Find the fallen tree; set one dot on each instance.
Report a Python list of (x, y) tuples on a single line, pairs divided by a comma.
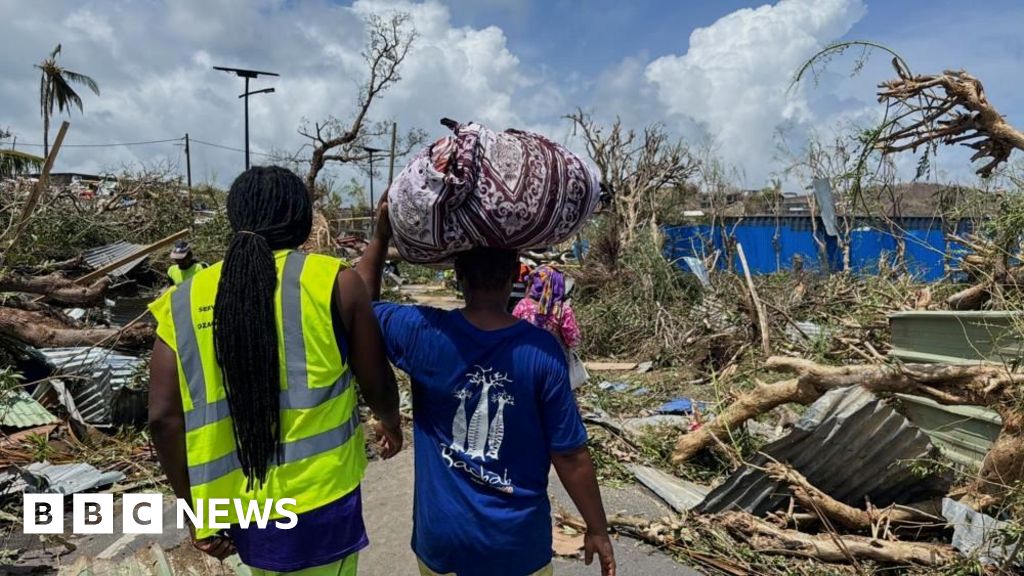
[(56, 287), (989, 385), (832, 547), (41, 330), (872, 519), (947, 108)]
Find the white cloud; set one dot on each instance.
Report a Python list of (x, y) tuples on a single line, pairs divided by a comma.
[(734, 77), (153, 63)]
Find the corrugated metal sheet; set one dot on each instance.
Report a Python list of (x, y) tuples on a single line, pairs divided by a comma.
[(43, 477), (100, 257), (93, 376), (965, 433), (850, 445), (772, 243), (956, 337), (19, 410), (129, 308)]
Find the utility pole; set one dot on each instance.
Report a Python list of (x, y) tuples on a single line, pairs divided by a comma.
[(188, 176), (373, 206), (247, 75), (394, 141), (188, 166)]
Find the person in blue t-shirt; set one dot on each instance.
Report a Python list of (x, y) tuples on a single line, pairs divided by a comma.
[(492, 411)]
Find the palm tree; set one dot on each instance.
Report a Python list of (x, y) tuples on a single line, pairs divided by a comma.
[(55, 90)]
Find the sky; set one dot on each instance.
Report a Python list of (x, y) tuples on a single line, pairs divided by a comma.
[(714, 72)]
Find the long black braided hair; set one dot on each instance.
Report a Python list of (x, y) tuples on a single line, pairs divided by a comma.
[(269, 209)]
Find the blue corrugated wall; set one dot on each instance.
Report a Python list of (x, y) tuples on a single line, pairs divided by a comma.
[(772, 244)]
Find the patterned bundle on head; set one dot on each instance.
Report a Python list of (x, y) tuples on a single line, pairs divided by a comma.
[(547, 288), (512, 190), (269, 209)]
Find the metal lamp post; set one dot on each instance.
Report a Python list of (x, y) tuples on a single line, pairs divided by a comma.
[(373, 207), (247, 74)]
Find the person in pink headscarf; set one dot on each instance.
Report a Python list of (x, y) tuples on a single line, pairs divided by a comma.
[(547, 307)]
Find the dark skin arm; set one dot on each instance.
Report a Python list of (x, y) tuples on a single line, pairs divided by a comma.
[(167, 426), (576, 471), (368, 360), (371, 264)]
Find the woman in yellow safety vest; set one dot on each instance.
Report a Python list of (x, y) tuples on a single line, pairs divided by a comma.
[(253, 390)]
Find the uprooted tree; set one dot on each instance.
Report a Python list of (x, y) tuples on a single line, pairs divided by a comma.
[(638, 168), (335, 140), (988, 385)]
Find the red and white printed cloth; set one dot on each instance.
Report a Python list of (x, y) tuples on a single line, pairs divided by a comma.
[(478, 187)]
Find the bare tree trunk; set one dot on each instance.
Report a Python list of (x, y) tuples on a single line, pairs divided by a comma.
[(763, 398), (832, 547), (56, 287), (811, 498), (989, 385), (46, 133), (42, 331)]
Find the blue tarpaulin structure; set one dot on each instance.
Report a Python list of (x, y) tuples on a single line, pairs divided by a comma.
[(773, 244)]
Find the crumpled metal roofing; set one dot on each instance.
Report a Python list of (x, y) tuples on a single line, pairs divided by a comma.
[(849, 444), (103, 255), (93, 377), (43, 477), (129, 308), (19, 410)]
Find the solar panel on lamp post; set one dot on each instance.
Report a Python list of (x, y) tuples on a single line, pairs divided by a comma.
[(247, 75)]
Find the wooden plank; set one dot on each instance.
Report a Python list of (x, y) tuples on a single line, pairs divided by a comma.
[(762, 320), (610, 366), (144, 251), (40, 185)]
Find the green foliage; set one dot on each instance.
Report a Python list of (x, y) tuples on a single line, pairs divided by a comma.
[(143, 207), (638, 309)]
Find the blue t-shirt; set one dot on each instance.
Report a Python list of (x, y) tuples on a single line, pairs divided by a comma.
[(488, 409)]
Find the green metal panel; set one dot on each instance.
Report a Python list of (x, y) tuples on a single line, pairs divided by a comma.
[(965, 433), (19, 410), (957, 336)]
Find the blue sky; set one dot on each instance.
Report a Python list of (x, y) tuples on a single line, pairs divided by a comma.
[(707, 70)]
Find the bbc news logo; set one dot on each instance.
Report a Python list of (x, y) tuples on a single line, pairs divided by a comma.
[(144, 513)]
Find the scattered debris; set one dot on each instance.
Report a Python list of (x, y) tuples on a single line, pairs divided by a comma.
[(92, 378), (976, 533), (684, 406), (848, 429), (566, 541), (610, 366), (613, 386), (680, 495), (19, 410), (637, 426), (43, 477)]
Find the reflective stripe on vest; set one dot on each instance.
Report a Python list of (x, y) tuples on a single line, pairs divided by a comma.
[(297, 395)]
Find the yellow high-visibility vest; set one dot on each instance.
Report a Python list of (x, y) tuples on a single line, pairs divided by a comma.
[(322, 452), (178, 274)]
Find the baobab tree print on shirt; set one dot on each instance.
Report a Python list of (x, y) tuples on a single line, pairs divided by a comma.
[(477, 433)]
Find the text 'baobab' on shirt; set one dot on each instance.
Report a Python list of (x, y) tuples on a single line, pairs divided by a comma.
[(488, 409)]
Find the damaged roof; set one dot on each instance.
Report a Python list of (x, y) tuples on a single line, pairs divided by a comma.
[(19, 410), (97, 258), (94, 376), (849, 444)]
